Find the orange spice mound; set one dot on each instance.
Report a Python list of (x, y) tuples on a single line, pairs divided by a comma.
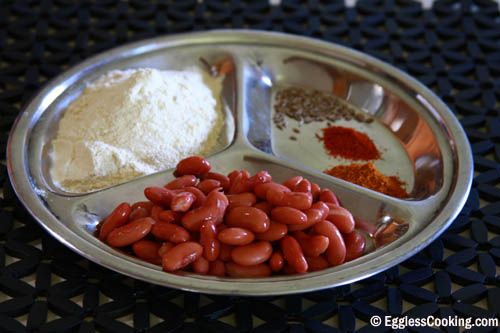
[(368, 176)]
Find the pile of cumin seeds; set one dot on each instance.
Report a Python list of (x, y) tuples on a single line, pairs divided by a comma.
[(308, 105)]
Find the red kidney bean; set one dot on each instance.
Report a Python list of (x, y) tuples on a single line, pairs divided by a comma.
[(193, 219), (252, 254), (242, 199), (208, 239), (147, 250), (171, 232), (304, 186), (181, 182), (297, 200), (217, 268), (236, 236), (201, 265), (327, 196), (261, 177), (355, 245), (250, 218), (181, 202), (119, 216), (208, 185), (194, 165), (143, 204), (261, 189), (316, 263), (336, 251), (264, 206), (225, 252), (341, 217), (239, 183), (313, 245), (315, 191), (138, 213), (365, 226), (288, 215), (181, 256), (240, 271), (159, 195), (275, 232), (224, 180), (292, 182), (293, 254), (317, 212), (155, 212), (277, 261), (200, 196), (130, 233), (219, 200), (165, 247), (169, 216)]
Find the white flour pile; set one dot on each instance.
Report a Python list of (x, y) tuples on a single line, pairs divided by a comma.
[(135, 122)]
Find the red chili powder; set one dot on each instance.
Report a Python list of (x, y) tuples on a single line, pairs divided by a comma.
[(349, 143)]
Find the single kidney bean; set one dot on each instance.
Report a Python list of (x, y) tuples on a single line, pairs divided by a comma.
[(341, 217), (201, 265), (143, 204), (336, 251), (304, 186), (264, 206), (208, 239), (355, 245), (260, 190), (171, 232), (315, 191), (147, 250), (239, 183), (130, 233), (292, 182), (275, 232), (193, 219), (217, 268), (240, 271), (199, 195), (208, 185), (261, 177), (297, 200), (252, 254), (155, 212), (365, 226), (288, 215), (224, 180), (276, 262), (138, 213), (250, 218), (181, 182), (236, 236), (169, 216), (313, 245), (194, 165), (316, 263), (317, 212), (181, 256), (242, 199), (181, 202), (219, 200), (159, 195), (165, 247), (119, 216), (293, 254), (225, 252), (327, 196)]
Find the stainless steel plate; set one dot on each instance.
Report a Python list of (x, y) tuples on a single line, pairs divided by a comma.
[(421, 140)]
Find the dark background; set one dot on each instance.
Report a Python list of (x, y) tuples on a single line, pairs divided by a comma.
[(453, 48)]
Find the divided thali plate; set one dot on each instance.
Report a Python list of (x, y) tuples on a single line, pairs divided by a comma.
[(423, 143)]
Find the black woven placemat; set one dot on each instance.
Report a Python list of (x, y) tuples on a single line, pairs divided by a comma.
[(453, 48)]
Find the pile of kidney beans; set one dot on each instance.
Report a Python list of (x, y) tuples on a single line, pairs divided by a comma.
[(237, 225)]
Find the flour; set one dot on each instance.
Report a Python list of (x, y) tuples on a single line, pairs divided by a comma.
[(132, 123)]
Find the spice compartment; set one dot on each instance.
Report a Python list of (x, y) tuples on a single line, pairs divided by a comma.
[(405, 108)]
